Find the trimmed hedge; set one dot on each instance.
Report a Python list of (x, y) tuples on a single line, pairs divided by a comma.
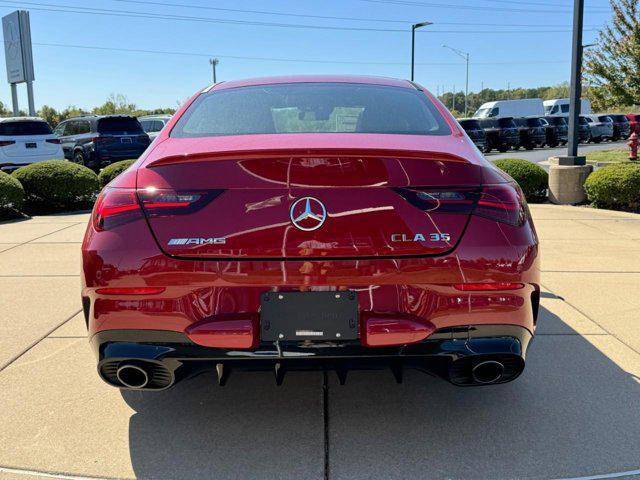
[(11, 196), (615, 186), (112, 171), (533, 179), (57, 185)]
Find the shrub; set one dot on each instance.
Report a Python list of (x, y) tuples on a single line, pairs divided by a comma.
[(57, 185), (112, 171), (615, 186), (533, 179), (11, 196)]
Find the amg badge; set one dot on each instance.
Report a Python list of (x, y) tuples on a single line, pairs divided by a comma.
[(197, 241)]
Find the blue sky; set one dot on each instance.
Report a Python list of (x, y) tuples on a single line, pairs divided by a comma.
[(502, 36)]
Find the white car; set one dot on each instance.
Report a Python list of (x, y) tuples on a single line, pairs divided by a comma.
[(26, 140), (152, 124), (524, 107)]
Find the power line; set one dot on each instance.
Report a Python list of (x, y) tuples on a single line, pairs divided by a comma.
[(470, 7), (326, 17), (131, 14), (276, 59)]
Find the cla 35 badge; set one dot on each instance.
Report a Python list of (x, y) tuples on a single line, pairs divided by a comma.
[(420, 237), (307, 214)]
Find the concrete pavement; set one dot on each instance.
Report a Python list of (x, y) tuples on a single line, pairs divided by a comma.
[(575, 412)]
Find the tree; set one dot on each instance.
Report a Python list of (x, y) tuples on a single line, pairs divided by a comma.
[(612, 67)]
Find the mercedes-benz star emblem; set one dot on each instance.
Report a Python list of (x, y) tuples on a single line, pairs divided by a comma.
[(308, 214)]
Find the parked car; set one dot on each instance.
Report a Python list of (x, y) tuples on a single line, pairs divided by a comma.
[(560, 106), (532, 132), (621, 126), (475, 131), (584, 130), (561, 126), (511, 108), (634, 122), (96, 141), (26, 140), (152, 124), (502, 133), (601, 127), (256, 240)]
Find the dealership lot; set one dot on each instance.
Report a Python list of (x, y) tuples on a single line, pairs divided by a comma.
[(575, 411)]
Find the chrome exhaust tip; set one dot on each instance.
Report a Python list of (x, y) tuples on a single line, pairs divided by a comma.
[(132, 376), (489, 371)]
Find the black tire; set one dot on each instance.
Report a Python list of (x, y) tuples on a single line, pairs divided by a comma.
[(503, 148), (486, 149), (589, 138), (596, 140), (78, 157), (529, 146)]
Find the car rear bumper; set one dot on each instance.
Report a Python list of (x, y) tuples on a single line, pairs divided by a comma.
[(452, 354)]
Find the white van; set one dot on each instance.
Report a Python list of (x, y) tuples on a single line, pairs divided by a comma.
[(511, 108), (560, 106)]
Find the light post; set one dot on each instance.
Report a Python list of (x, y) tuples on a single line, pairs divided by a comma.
[(464, 55), (213, 62), (414, 27), (575, 86)]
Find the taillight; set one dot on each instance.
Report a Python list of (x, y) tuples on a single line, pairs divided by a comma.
[(53, 140), (116, 206), (5, 143), (503, 203), (100, 139)]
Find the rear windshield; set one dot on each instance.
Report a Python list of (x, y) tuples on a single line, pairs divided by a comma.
[(506, 122), (605, 118), (470, 124), (119, 125), (24, 128), (311, 108)]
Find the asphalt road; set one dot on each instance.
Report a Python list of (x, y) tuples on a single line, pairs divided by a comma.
[(542, 154)]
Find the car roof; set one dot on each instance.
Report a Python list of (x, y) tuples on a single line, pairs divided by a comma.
[(22, 119), (154, 117), (99, 117), (364, 79)]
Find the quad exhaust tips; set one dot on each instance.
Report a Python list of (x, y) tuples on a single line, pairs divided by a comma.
[(132, 376), (489, 371)]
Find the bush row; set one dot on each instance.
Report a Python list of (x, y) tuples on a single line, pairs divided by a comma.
[(53, 186)]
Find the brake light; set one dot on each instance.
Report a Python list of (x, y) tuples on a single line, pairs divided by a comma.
[(5, 143), (53, 140), (503, 203), (130, 290), (487, 286), (116, 206)]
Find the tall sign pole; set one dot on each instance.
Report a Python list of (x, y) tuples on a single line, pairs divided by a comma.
[(16, 30), (575, 86)]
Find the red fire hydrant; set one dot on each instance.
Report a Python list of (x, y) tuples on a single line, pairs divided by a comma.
[(633, 147)]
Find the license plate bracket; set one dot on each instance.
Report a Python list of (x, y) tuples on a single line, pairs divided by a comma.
[(319, 316)]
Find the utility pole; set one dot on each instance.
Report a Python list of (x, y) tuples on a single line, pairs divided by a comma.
[(575, 88), (464, 55), (213, 62), (414, 27), (453, 98)]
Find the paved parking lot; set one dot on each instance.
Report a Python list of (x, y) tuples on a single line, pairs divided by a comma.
[(575, 412), (542, 154)]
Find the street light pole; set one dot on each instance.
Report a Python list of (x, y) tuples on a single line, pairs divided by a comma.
[(464, 55), (414, 27), (213, 62), (576, 85)]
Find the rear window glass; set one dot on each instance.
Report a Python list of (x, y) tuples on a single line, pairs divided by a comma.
[(119, 125), (311, 108), (533, 122), (506, 122), (24, 128)]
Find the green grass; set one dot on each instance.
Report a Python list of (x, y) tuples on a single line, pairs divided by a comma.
[(609, 156)]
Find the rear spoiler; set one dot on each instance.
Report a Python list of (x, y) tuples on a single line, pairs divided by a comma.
[(302, 152)]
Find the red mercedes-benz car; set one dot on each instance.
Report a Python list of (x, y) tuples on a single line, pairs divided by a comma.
[(320, 222)]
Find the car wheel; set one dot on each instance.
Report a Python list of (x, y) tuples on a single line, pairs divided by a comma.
[(529, 146), (597, 140), (589, 138), (486, 149), (78, 157), (503, 148)]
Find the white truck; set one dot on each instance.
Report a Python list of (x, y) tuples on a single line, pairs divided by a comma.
[(560, 106), (524, 107)]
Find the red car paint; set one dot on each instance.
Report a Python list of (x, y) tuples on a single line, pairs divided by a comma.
[(481, 272)]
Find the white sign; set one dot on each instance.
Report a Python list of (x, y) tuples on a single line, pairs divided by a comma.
[(17, 47)]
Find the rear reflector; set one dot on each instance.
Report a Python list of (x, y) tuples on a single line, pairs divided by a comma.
[(378, 330), (237, 331), (130, 290), (489, 286)]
